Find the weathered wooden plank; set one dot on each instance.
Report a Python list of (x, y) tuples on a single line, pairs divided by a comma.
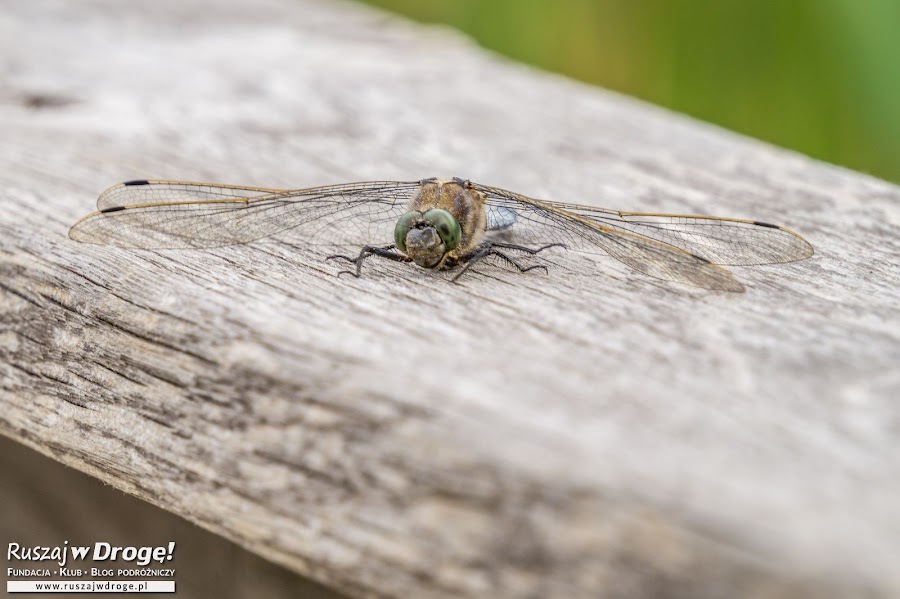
[(205, 564), (582, 433)]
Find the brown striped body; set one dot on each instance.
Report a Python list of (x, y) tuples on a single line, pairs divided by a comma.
[(465, 204)]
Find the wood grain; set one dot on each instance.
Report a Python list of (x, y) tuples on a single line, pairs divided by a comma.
[(205, 564), (589, 432)]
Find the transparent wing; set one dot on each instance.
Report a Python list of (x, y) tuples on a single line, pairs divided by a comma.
[(143, 191), (680, 248), (729, 241), (174, 214)]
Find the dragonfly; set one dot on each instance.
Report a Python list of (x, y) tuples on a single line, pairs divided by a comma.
[(434, 224)]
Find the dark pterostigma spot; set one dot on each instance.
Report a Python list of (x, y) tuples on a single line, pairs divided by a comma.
[(137, 182), (762, 224), (38, 101), (113, 209)]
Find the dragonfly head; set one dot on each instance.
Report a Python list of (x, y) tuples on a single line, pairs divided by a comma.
[(426, 238)]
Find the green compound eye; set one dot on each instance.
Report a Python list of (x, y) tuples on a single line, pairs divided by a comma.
[(403, 226), (446, 226)]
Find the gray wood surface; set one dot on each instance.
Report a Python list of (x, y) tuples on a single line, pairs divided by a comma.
[(589, 432), (34, 512)]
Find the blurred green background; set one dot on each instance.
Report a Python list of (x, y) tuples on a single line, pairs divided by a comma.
[(818, 76)]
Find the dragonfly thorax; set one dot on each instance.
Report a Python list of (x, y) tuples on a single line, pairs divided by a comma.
[(454, 210)]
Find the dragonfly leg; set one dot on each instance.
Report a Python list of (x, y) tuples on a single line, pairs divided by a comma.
[(490, 249), (369, 250), (513, 262)]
